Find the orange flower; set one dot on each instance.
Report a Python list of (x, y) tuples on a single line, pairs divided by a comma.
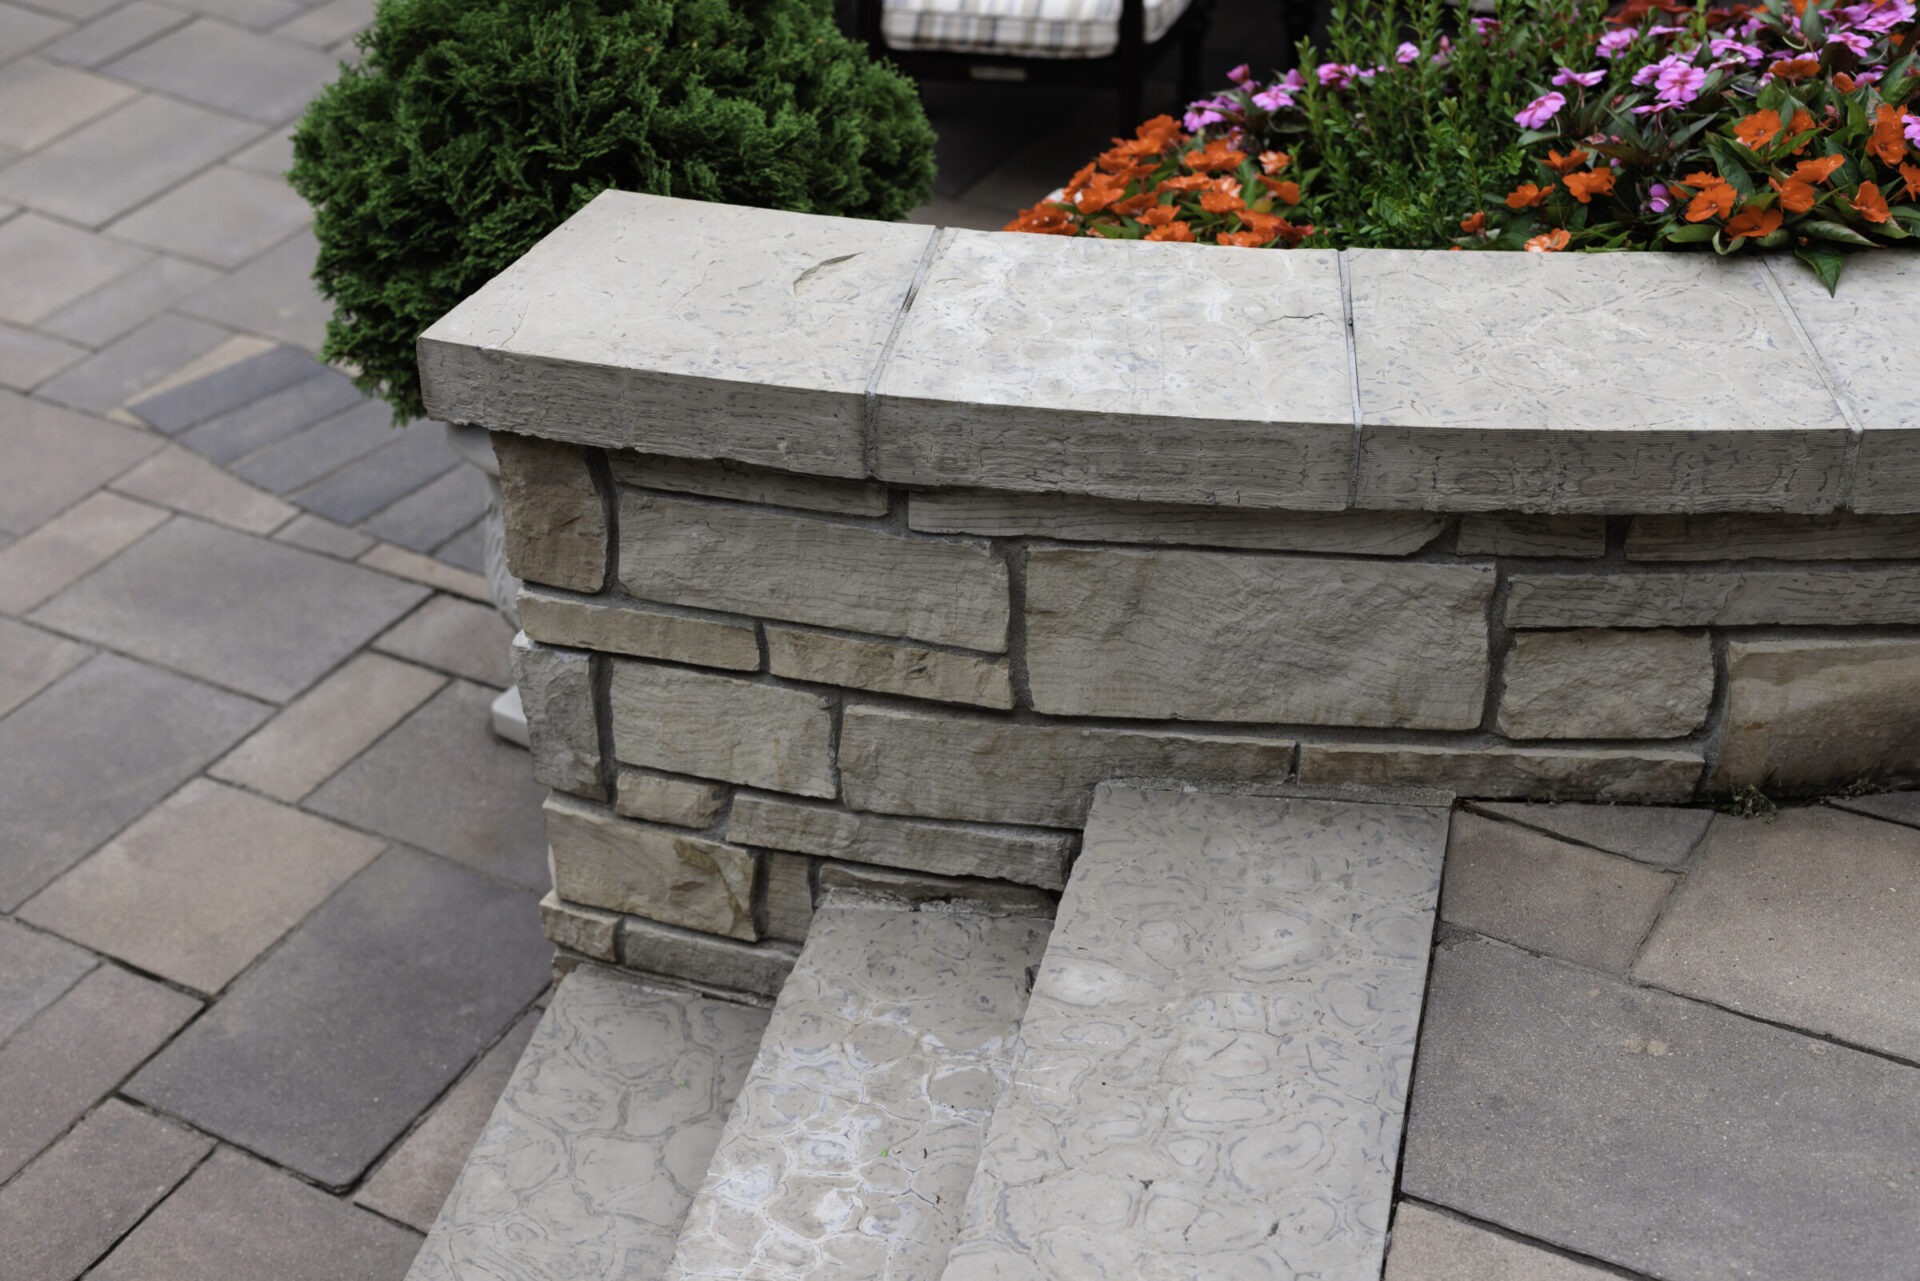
[(1185, 182), (1844, 82), (1044, 219), (1910, 177), (1548, 242), (1287, 193), (1792, 69), (1813, 171), (1242, 239), (1869, 203), (1526, 196), (1474, 223), (1216, 155), (1714, 197), (1801, 123), (1177, 232), (1594, 182), (1160, 215), (1222, 196), (1795, 195), (1758, 129), (1567, 164), (1753, 221), (1133, 205), (1889, 139), (1274, 161), (1099, 193), (1150, 139), (1268, 225)]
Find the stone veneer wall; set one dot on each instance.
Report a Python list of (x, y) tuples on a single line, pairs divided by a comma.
[(900, 659)]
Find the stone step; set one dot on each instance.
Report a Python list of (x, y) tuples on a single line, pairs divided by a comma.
[(1211, 1077), (593, 1154), (850, 1150)]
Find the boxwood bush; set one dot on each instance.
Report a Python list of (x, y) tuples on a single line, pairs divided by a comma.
[(471, 128)]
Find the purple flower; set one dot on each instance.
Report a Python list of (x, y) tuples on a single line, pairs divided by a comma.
[(1337, 75), (1878, 16), (1241, 74), (1659, 108), (1273, 99), (1657, 201), (1293, 81), (1680, 85), (1407, 53), (1484, 27), (1913, 130), (1542, 109), (1614, 43), (1723, 47), (1853, 40), (1567, 76), (1199, 117)]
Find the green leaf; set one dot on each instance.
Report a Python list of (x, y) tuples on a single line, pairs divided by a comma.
[(1826, 263), (1832, 231), (1907, 216), (1690, 233), (1532, 136), (1733, 166), (1812, 27)]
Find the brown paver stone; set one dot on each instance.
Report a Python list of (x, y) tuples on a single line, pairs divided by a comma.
[(1657, 1133), (239, 1220), (31, 660), (70, 1206), (202, 884), (1809, 920), (1430, 1246), (456, 636), (35, 969), (1549, 896), (56, 457), (1659, 834)]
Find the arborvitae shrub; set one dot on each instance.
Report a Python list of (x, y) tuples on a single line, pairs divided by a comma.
[(471, 128)]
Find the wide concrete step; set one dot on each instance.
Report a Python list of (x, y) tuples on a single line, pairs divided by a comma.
[(1211, 1077), (593, 1154), (849, 1152)]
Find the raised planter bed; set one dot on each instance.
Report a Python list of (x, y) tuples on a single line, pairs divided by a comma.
[(861, 550)]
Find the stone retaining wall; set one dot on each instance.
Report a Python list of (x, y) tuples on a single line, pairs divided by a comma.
[(900, 658)]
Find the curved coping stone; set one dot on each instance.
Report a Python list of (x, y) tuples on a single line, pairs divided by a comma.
[(1304, 380)]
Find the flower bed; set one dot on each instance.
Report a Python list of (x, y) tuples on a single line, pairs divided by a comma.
[(1547, 127)]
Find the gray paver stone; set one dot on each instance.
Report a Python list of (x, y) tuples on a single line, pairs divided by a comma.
[(133, 363), (223, 217), (112, 34), (105, 168), (1659, 834), (40, 101), (272, 295), (35, 969), (456, 636), (1430, 1246), (239, 384), (56, 457), (31, 660), (408, 460), (45, 265), (126, 303), (231, 70)]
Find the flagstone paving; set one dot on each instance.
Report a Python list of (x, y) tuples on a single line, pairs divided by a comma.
[(269, 938)]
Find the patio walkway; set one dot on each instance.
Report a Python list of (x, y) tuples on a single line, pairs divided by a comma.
[(245, 663)]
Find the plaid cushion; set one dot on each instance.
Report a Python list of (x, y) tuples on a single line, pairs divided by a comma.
[(1021, 28)]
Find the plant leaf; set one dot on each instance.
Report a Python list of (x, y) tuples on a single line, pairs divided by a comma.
[(1826, 263), (1832, 231)]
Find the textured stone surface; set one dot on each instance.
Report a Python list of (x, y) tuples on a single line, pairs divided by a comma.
[(1596, 683), (1079, 518), (231, 70), (138, 296), (40, 101), (1213, 636), (202, 884), (1009, 854), (31, 660), (1604, 773), (704, 959), (1549, 896), (1834, 536), (456, 636), (128, 366), (1212, 1070), (215, 1226), (998, 772), (787, 899), (414, 567), (1236, 369), (1429, 1246), (317, 1058), (1460, 412), (223, 217), (1515, 534), (112, 34), (908, 670), (602, 860), (1804, 921), (272, 295), (184, 481), (625, 628), (720, 727), (592, 1156), (1657, 834), (70, 1206), (684, 802), (1829, 597), (244, 382), (802, 569), (1895, 807), (1655, 1133), (851, 1146), (774, 323), (581, 929), (865, 881), (556, 689), (413, 1183), (1813, 713), (556, 518), (327, 726), (45, 265), (128, 156), (58, 457), (71, 545), (34, 970), (722, 479)]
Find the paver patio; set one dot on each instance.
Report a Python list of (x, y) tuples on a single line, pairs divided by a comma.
[(245, 664)]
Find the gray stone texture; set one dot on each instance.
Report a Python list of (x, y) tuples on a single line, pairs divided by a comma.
[(114, 33), (911, 671), (1806, 714), (128, 156), (131, 364), (1834, 536), (1895, 807), (1237, 366), (786, 896), (260, 617), (1430, 1246), (866, 881), (736, 481), (802, 569), (224, 217), (186, 482), (1803, 920), (231, 70), (556, 517), (1517, 534), (455, 636), (1657, 1134), (328, 453), (28, 359), (602, 860), (92, 752), (434, 782), (272, 295), (31, 660), (1657, 834), (850, 1148), (435, 512), (71, 545), (687, 722), (44, 265), (556, 692), (776, 321), (131, 300), (56, 458), (35, 969), (1084, 519), (625, 628), (1596, 683), (592, 1156), (1831, 596), (23, 29), (581, 929), (412, 456), (703, 959), (684, 802), (240, 387), (1499, 772), (991, 771), (1008, 854), (1223, 637), (1458, 413), (317, 1059), (1548, 896)]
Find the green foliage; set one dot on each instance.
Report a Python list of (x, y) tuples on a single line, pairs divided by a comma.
[(471, 128)]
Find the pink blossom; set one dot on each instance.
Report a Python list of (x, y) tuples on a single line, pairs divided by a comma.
[(1567, 76), (1659, 108), (1878, 16), (1614, 43), (1484, 27), (1273, 99), (1337, 75), (1293, 81), (1199, 117), (1241, 74), (1680, 85), (1542, 109), (1913, 130), (1657, 198), (1407, 53), (1853, 40), (1723, 47)]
